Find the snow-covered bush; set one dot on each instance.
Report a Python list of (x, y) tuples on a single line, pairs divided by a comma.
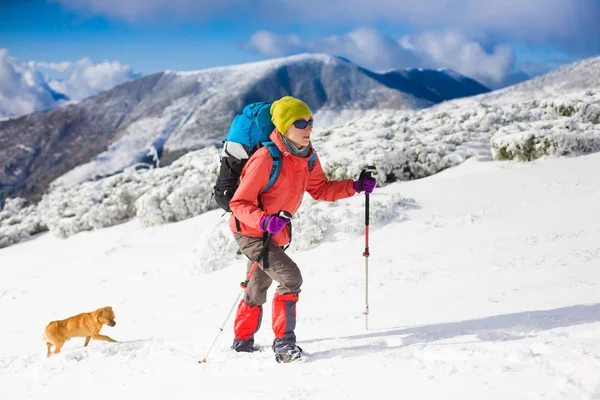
[(528, 146), (314, 223), (182, 190), (19, 220), (216, 249), (409, 145), (155, 196), (571, 127), (317, 221)]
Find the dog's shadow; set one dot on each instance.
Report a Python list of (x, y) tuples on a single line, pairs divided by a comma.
[(490, 329), (122, 348)]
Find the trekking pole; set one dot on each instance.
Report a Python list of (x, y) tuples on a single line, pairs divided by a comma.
[(244, 284), (366, 173)]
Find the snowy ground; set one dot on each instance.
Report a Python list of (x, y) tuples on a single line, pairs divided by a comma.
[(487, 288)]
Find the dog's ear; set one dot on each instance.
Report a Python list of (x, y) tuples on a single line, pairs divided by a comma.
[(100, 312)]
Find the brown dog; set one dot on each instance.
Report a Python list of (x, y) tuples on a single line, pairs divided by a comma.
[(86, 325)]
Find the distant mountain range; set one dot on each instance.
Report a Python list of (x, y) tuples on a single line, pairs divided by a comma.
[(167, 114)]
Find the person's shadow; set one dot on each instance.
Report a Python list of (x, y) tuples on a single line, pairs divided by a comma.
[(496, 328)]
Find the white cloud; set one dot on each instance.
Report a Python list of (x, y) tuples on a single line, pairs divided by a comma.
[(83, 78), (365, 47), (570, 24), (451, 49), (23, 89), (132, 10), (60, 66), (370, 49), (272, 45)]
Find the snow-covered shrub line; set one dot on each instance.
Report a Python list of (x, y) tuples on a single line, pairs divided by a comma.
[(574, 131), (528, 146), (154, 196), (408, 145), (19, 220), (402, 144), (314, 223)]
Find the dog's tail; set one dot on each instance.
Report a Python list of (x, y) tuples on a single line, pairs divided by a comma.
[(44, 336)]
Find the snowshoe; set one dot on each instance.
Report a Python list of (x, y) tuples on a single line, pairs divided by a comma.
[(291, 355)]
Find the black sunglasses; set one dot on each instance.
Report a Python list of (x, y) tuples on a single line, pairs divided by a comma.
[(302, 123)]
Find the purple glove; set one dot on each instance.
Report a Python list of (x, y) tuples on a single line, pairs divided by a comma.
[(272, 224), (368, 184)]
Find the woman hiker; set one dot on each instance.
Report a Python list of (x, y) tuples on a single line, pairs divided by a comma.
[(255, 215)]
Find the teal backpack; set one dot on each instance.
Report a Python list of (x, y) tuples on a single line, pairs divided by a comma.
[(248, 132)]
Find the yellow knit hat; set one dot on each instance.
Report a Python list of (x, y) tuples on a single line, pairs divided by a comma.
[(287, 110)]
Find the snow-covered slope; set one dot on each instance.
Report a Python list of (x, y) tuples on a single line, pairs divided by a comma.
[(484, 284), (171, 113), (579, 76)]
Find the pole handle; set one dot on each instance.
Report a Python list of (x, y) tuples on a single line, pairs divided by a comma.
[(366, 173), (285, 215)]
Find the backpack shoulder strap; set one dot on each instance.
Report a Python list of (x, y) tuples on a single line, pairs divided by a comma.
[(276, 154), (312, 161), (276, 169)]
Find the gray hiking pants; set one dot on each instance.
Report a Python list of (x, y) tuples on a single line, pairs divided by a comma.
[(282, 269)]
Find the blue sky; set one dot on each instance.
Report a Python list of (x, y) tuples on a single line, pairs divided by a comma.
[(494, 41)]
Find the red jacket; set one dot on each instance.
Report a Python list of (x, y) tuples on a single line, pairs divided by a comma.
[(285, 194)]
